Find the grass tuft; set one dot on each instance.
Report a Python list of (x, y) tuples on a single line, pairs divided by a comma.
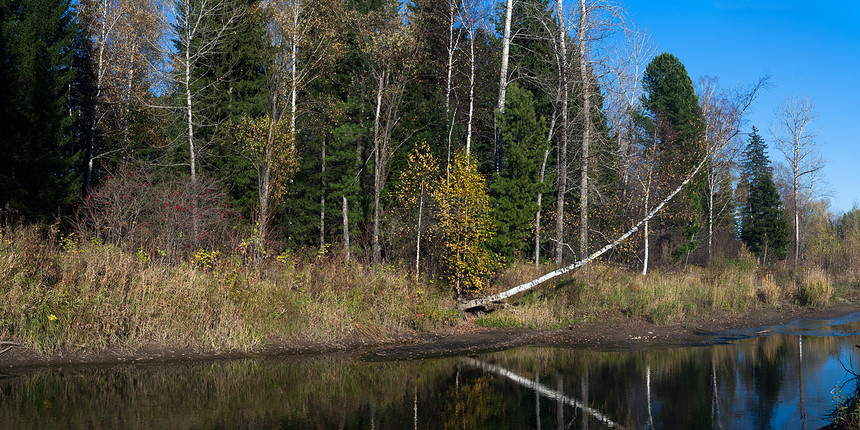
[(815, 288)]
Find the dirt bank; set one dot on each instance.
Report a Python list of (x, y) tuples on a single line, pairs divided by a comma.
[(606, 332)]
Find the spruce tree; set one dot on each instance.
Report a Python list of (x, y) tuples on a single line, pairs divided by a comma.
[(763, 228), (515, 187), (37, 171)]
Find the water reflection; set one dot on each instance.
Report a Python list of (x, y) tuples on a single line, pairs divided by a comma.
[(781, 380)]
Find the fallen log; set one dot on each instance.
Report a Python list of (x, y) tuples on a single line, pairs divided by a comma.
[(7, 346), (465, 305)]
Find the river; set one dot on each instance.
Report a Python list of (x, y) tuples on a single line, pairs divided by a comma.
[(786, 376)]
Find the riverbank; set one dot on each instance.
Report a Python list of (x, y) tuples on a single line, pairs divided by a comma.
[(68, 300), (466, 337)]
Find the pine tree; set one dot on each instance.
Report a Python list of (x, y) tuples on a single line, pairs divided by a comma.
[(763, 228), (675, 119)]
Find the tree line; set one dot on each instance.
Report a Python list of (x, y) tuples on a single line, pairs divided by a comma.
[(451, 134)]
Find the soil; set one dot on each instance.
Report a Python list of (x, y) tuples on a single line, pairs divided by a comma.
[(610, 331)]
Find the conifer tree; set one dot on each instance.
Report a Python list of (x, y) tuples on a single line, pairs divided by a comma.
[(37, 170), (515, 188), (763, 228), (675, 119)]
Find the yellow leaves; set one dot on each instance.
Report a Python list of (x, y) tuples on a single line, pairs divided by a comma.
[(420, 178), (267, 145), (465, 226)]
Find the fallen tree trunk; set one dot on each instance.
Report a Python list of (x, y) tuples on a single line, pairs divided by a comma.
[(482, 301), (7, 346)]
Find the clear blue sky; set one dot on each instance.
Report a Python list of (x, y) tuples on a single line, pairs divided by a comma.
[(807, 47)]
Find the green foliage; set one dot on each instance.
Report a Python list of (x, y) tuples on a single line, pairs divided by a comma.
[(677, 123), (515, 187), (38, 171), (763, 228)]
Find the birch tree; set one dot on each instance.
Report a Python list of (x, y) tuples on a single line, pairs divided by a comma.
[(466, 304), (503, 71), (123, 35), (723, 112), (389, 48), (200, 29), (795, 139), (302, 43), (101, 22), (471, 15)]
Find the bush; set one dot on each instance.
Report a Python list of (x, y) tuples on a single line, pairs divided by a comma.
[(815, 288), (166, 217)]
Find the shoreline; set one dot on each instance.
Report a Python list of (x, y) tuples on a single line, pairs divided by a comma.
[(612, 332)]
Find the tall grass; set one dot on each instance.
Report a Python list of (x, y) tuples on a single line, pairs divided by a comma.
[(71, 293), (664, 296)]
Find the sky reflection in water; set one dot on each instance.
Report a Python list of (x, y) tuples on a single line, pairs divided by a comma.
[(770, 377)]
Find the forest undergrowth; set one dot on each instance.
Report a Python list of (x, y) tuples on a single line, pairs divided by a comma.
[(67, 292)]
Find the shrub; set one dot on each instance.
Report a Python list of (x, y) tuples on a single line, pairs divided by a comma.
[(815, 288), (166, 217)]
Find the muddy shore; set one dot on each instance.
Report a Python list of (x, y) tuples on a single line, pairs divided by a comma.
[(605, 332)]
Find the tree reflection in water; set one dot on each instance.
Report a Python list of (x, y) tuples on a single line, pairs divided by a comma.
[(779, 381)]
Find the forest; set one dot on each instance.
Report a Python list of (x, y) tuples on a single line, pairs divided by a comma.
[(459, 142)]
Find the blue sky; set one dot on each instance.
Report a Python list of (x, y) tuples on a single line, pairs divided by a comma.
[(808, 48)]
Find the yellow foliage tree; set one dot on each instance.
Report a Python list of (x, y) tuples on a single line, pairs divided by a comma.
[(268, 145), (417, 185), (465, 227)]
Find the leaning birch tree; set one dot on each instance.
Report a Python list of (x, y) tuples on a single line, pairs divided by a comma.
[(482, 301)]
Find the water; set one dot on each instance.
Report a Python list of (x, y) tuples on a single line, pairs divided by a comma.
[(770, 377)]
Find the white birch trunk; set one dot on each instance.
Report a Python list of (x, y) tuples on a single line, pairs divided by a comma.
[(540, 206), (562, 150), (418, 239), (586, 132), (448, 84), (710, 223), (293, 83), (506, 49), (473, 303), (377, 172), (100, 71), (188, 106), (471, 95), (647, 231), (322, 199), (796, 186), (345, 229)]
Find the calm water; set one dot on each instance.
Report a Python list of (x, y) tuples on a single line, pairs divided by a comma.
[(786, 377)]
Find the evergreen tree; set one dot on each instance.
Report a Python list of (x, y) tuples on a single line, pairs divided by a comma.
[(675, 119), (234, 85), (515, 187), (37, 170), (763, 228)]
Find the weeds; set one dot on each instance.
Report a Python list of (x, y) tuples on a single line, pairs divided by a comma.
[(663, 297), (815, 288), (89, 294)]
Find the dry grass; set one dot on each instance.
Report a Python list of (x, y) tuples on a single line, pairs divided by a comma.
[(663, 296), (70, 293), (815, 288)]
